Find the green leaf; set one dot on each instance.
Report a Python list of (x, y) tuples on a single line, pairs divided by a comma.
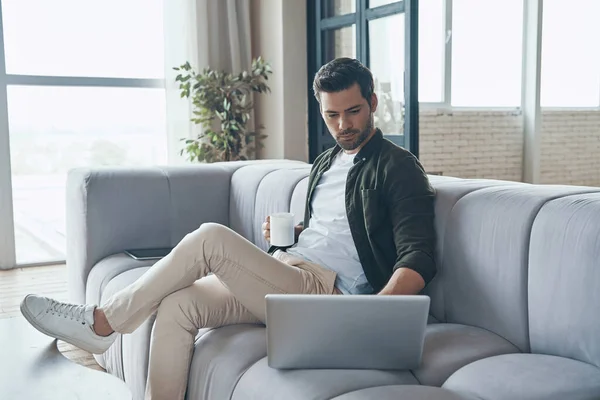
[(221, 97)]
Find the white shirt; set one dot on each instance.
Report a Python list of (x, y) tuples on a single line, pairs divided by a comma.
[(328, 241)]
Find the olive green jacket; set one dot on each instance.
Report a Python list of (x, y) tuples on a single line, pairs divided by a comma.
[(390, 209)]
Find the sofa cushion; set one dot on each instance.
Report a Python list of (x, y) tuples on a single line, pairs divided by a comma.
[(449, 347), (106, 270), (299, 200), (527, 377), (127, 358), (486, 251), (242, 196), (448, 192), (274, 194), (403, 392), (221, 357), (564, 279), (262, 382)]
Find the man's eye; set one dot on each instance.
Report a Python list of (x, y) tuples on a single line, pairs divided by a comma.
[(354, 111), (331, 116)]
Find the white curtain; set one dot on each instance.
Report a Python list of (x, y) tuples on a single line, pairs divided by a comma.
[(207, 33)]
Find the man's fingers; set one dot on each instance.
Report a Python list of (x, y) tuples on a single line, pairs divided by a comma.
[(266, 226)]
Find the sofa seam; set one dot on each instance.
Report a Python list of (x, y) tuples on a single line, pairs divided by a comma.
[(170, 205), (546, 202)]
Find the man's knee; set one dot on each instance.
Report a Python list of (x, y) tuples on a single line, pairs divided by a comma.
[(212, 229), (175, 308), (206, 231)]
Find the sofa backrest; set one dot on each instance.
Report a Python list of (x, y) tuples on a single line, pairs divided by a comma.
[(448, 192), (564, 279), (486, 255), (258, 190), (275, 194)]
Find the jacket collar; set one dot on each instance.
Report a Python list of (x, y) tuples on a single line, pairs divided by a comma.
[(365, 153)]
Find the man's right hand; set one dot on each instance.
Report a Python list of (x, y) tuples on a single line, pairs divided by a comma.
[(266, 228)]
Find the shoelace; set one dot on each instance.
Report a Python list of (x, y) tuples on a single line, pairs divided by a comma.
[(67, 310)]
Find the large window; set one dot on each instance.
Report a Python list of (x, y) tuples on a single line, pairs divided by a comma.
[(108, 38), (381, 34), (487, 47), (386, 58), (84, 87), (432, 44), (570, 54), (471, 51)]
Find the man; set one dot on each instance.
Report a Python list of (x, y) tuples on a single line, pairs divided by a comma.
[(368, 229)]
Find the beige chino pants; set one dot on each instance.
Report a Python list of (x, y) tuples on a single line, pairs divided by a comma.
[(186, 299)]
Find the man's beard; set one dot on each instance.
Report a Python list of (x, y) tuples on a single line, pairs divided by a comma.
[(359, 136)]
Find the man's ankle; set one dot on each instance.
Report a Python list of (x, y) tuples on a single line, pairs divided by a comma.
[(101, 325)]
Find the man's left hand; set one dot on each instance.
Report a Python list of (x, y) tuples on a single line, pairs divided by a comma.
[(404, 281)]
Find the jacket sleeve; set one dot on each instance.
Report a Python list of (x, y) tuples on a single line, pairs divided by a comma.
[(411, 202)]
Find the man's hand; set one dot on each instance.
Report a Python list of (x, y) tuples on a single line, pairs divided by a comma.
[(404, 281), (266, 228)]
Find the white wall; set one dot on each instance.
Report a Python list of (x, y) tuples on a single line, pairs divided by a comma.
[(279, 36)]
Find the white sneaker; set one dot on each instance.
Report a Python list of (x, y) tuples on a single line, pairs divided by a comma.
[(68, 322)]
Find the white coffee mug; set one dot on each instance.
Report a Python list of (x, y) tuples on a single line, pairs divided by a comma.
[(282, 229)]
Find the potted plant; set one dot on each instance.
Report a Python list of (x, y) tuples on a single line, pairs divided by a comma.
[(222, 103)]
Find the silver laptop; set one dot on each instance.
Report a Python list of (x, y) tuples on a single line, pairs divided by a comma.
[(345, 331)]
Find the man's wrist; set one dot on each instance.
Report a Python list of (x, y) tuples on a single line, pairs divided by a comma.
[(403, 281)]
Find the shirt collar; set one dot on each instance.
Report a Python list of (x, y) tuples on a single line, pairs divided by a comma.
[(367, 150)]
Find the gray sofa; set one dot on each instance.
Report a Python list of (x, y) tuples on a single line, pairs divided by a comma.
[(514, 306)]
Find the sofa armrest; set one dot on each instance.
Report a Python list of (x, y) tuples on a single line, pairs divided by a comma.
[(113, 209)]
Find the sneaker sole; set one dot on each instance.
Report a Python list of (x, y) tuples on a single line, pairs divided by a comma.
[(83, 346)]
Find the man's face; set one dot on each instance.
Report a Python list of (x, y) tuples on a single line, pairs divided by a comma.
[(348, 117)]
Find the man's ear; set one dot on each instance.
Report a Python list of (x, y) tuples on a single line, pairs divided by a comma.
[(374, 102)]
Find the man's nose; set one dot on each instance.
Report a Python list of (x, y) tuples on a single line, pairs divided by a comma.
[(345, 124)]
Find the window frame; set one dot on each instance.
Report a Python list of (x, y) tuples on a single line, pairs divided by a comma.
[(319, 138), (446, 103), (7, 224)]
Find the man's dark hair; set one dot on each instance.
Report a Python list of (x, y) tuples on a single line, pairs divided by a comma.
[(342, 73)]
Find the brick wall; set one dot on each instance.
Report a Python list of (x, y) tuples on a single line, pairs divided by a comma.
[(570, 151), (472, 144)]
